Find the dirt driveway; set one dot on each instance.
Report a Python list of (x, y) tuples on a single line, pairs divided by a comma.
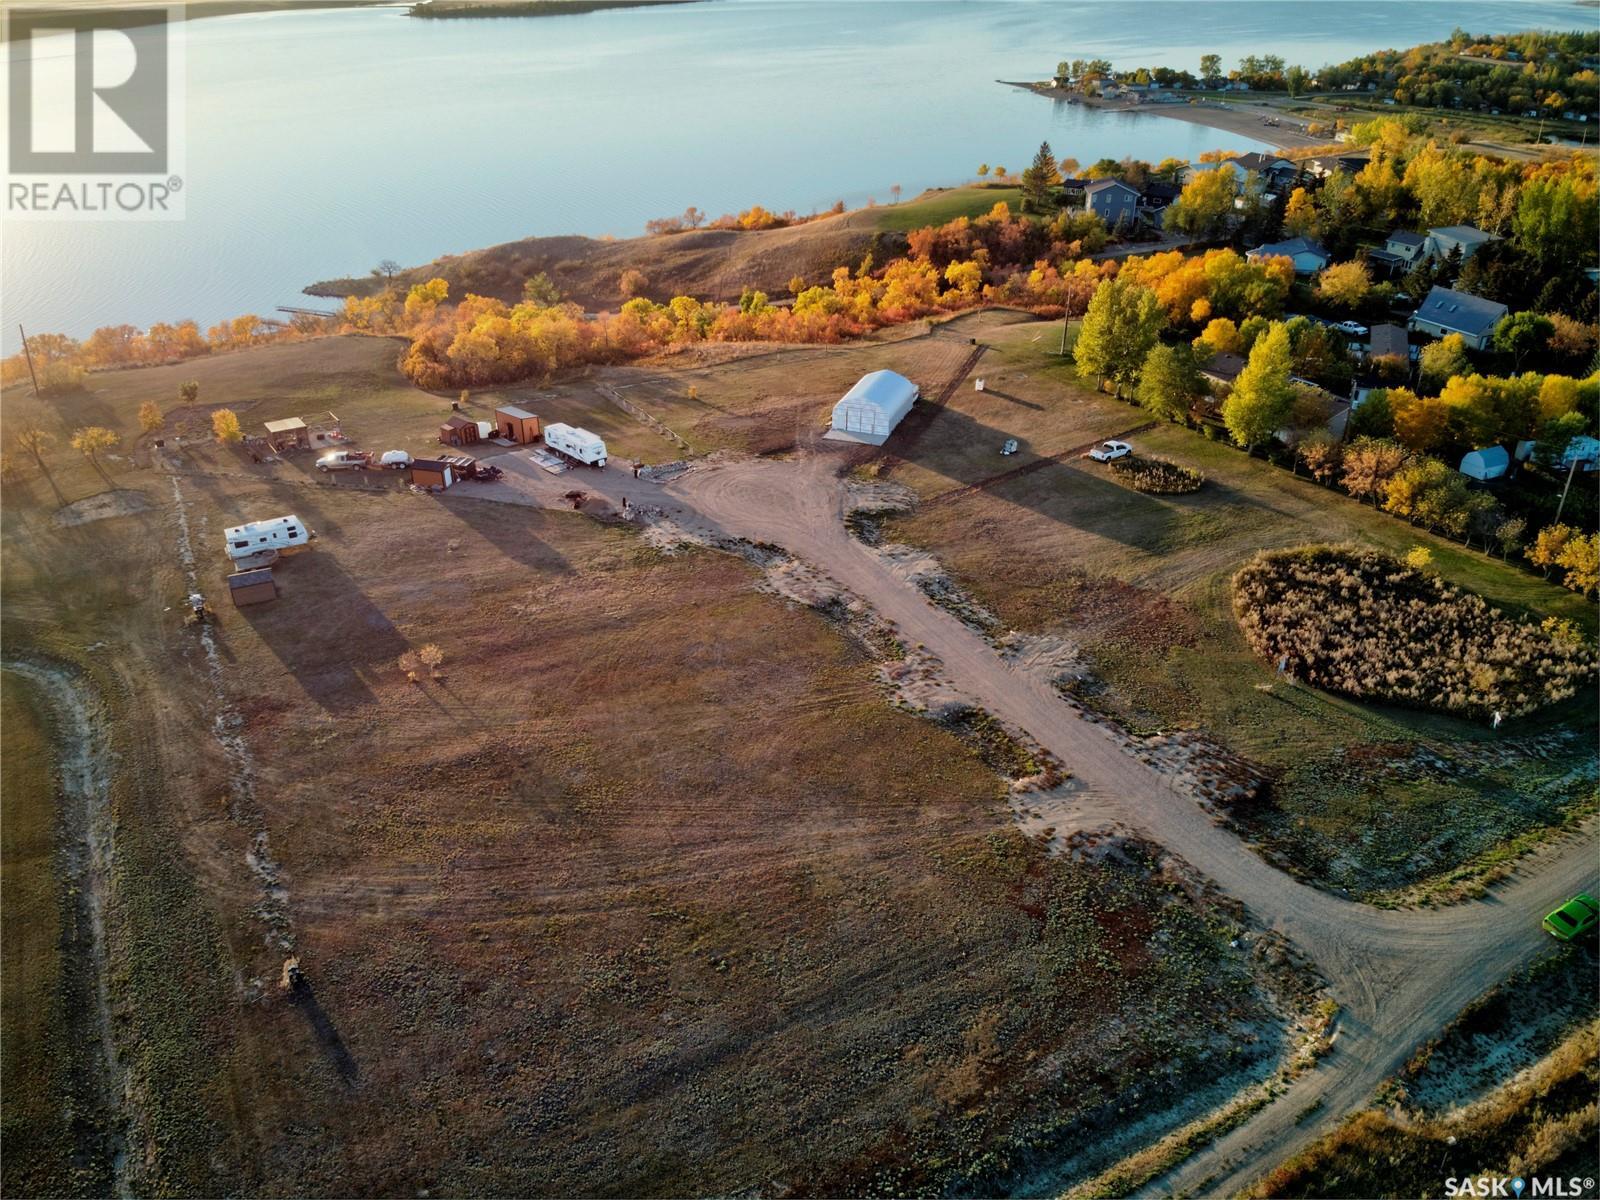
[(1399, 976)]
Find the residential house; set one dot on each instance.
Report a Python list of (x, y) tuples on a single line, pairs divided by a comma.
[(1279, 173), (1388, 341), (1466, 238), (1114, 201), (1308, 256), (1448, 311), (1332, 164), (1156, 196), (1401, 251), (1223, 369)]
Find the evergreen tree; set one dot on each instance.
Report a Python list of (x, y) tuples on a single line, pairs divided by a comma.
[(1037, 181)]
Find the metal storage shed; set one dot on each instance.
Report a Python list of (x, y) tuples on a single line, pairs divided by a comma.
[(1490, 462), (870, 410)]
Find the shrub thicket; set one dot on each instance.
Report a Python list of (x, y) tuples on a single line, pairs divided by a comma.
[(1157, 475), (1368, 626)]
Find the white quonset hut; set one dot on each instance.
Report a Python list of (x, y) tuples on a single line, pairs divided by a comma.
[(869, 411)]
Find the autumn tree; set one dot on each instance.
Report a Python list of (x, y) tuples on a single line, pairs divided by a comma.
[(1521, 334), (1170, 382), (189, 391), (1210, 67), (1580, 559), (1421, 422), (540, 289), (1369, 464), (1300, 215), (1548, 545), (632, 283), (431, 657), (1442, 360), (1321, 452), (1039, 179), (33, 441), (225, 426), (1205, 206), (91, 440), (388, 268), (1509, 534), (1119, 329), (1220, 336), (1262, 394), (1345, 285), (150, 418)]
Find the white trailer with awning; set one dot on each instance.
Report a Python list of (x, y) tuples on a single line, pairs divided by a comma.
[(870, 410)]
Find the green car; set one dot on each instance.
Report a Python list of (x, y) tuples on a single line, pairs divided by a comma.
[(1574, 918)]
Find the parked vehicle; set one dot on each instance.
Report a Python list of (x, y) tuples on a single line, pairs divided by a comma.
[(1574, 918), (268, 539), (344, 460), (1351, 328), (395, 460), (575, 443), (1109, 451)]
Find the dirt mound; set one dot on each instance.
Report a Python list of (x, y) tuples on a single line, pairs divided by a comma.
[(708, 263), (118, 503)]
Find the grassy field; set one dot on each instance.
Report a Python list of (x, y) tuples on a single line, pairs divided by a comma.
[(650, 891), (1142, 584), (941, 206), (768, 401), (34, 1057)]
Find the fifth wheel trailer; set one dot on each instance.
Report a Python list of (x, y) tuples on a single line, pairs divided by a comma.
[(575, 443)]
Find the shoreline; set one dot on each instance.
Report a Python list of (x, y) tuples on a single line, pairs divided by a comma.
[(1214, 114)]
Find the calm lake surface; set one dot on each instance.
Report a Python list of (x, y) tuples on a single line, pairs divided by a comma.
[(322, 141)]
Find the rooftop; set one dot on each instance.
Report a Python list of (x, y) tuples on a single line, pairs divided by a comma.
[(287, 425), (512, 410), (1469, 234), (1299, 245), (1406, 238), (1460, 311)]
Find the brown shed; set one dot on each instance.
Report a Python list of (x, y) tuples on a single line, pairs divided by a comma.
[(516, 424), (252, 587), (459, 431), (433, 472)]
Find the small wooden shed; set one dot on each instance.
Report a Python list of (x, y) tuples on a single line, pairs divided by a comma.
[(288, 434), (252, 587), (516, 424), (433, 472), (459, 430)]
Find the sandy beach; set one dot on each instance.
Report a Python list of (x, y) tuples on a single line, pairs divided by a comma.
[(1243, 118)]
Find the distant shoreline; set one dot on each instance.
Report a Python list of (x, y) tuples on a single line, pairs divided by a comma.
[(449, 10), (1212, 114)]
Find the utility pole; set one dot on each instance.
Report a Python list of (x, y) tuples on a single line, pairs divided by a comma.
[(1066, 319), (1570, 472), (28, 354)]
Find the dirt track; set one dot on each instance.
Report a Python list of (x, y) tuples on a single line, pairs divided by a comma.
[(1399, 976)]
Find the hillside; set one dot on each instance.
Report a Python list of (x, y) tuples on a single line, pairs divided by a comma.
[(708, 263)]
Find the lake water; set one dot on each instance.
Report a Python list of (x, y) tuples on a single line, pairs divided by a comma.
[(323, 141)]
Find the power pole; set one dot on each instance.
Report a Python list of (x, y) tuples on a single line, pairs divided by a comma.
[(1066, 319), (1563, 503), (28, 354)]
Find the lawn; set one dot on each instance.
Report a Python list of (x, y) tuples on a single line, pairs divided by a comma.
[(939, 207), (1142, 584)]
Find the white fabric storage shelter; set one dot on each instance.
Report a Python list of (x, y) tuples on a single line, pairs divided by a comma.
[(870, 410)]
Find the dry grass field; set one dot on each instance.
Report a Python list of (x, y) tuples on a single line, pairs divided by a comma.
[(648, 892), (1141, 584)]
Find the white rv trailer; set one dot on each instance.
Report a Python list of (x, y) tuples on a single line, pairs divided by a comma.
[(281, 535), (575, 443)]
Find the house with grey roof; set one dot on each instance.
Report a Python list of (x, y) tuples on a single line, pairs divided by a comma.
[(1278, 172), (1466, 238), (1113, 201), (1401, 251), (1308, 256), (1447, 311), (1388, 341)]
